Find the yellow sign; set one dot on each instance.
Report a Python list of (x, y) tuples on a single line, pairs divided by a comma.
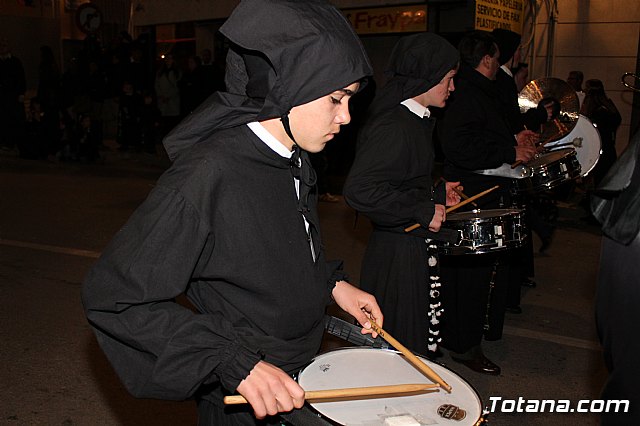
[(492, 14), (388, 19)]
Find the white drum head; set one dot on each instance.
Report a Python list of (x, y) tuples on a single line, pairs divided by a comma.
[(585, 139), (355, 367)]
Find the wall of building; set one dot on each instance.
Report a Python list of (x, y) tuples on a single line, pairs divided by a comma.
[(153, 12), (599, 38)]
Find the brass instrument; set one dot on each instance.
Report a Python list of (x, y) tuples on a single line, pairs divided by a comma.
[(630, 86)]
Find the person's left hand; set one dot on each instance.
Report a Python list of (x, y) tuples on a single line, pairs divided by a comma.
[(360, 304), (453, 197)]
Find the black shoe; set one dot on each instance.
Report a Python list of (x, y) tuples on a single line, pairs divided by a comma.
[(527, 282), (513, 309), (480, 364)]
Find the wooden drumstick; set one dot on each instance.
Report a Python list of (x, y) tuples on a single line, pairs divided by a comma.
[(516, 164), (414, 360), (360, 392), (460, 204), (455, 189), (471, 199), (463, 195)]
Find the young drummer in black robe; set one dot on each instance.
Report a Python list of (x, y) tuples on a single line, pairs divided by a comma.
[(391, 183), (233, 225)]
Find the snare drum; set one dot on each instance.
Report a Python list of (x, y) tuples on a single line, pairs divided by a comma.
[(484, 231), (550, 170), (356, 367)]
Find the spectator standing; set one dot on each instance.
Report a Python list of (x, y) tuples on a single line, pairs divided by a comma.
[(575, 80), (48, 80), (12, 88), (601, 110), (192, 86), (95, 87), (33, 143), (149, 123), (168, 93), (129, 117), (85, 140)]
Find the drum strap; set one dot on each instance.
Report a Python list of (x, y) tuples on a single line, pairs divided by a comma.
[(435, 305)]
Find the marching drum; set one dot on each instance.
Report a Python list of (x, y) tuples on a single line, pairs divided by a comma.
[(550, 170), (485, 231), (356, 367), (585, 139)]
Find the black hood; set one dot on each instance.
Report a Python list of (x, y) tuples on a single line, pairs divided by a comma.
[(284, 53), (417, 63)]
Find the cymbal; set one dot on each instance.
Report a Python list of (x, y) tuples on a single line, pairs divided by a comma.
[(550, 87)]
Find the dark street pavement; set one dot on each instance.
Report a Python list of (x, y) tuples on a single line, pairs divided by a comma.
[(55, 218)]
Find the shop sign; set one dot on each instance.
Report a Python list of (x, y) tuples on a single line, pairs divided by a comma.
[(398, 19), (492, 14)]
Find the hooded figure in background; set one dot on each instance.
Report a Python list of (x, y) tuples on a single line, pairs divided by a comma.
[(391, 183), (615, 203), (233, 225)]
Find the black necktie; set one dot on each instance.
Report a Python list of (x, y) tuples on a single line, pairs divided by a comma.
[(301, 169)]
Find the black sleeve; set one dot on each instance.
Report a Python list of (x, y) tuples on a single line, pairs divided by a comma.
[(467, 140), (159, 348), (375, 186)]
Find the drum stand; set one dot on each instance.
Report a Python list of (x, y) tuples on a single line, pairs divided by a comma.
[(492, 285)]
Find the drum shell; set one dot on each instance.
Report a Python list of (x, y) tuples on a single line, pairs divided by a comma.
[(550, 170), (486, 231)]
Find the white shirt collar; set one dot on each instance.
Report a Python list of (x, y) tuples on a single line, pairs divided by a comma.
[(416, 108), (269, 139), (507, 70)]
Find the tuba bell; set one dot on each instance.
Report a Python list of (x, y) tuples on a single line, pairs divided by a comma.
[(626, 76)]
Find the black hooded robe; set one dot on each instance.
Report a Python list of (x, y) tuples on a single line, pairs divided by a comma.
[(615, 204), (225, 226), (391, 183)]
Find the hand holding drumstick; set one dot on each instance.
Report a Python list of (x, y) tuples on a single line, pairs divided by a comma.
[(450, 209), (453, 193), (409, 356)]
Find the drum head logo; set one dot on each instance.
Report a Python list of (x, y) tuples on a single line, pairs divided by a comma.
[(451, 412)]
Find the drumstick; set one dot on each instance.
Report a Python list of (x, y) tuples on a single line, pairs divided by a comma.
[(463, 195), (516, 164), (424, 368), (370, 391), (456, 190), (471, 199), (460, 204)]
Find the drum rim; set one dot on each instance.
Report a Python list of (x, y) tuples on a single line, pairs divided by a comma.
[(508, 212), (580, 128), (352, 348), (568, 152)]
